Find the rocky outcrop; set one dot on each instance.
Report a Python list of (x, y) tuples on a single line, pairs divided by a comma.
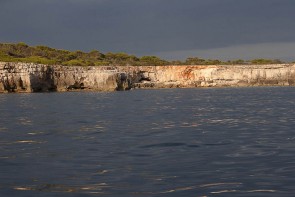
[(17, 77), (213, 76), (29, 77)]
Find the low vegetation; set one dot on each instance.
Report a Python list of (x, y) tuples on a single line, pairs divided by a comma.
[(21, 52)]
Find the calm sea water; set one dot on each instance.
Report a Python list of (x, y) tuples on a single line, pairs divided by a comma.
[(170, 142)]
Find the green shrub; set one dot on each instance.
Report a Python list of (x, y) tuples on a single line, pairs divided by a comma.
[(152, 61), (37, 59), (74, 63), (21, 52)]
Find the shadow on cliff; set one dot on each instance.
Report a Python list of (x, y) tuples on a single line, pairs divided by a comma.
[(124, 82), (43, 81)]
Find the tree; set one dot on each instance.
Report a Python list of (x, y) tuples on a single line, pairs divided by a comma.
[(152, 61), (195, 61)]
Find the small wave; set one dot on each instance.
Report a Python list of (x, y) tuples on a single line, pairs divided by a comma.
[(168, 144), (189, 125), (193, 146), (28, 142), (286, 169), (3, 129), (261, 190), (249, 151), (209, 185), (141, 155), (21, 142), (102, 172), (90, 189), (219, 184), (25, 121), (218, 144), (223, 191), (35, 133)]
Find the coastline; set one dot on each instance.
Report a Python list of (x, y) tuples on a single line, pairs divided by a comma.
[(30, 77)]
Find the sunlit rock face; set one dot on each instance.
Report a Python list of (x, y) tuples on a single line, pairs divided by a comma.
[(213, 76), (29, 77)]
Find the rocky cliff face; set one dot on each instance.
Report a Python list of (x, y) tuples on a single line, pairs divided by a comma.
[(28, 77), (213, 76)]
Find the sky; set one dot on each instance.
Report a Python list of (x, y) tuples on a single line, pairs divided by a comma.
[(170, 29)]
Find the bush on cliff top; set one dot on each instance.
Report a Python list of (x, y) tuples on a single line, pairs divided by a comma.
[(21, 52)]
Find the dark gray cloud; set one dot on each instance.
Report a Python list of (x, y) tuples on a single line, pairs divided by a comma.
[(148, 26)]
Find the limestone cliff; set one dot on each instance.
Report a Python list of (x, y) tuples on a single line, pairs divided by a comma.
[(213, 76), (29, 77)]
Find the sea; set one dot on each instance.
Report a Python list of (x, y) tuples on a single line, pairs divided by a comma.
[(144, 143)]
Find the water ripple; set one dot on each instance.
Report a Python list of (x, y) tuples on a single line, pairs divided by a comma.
[(167, 144), (87, 189), (171, 142)]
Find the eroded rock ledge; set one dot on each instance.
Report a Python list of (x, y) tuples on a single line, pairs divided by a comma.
[(29, 77)]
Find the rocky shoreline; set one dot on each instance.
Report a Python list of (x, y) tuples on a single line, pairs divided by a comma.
[(31, 77)]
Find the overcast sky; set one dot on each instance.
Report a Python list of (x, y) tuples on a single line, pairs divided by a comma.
[(171, 29)]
